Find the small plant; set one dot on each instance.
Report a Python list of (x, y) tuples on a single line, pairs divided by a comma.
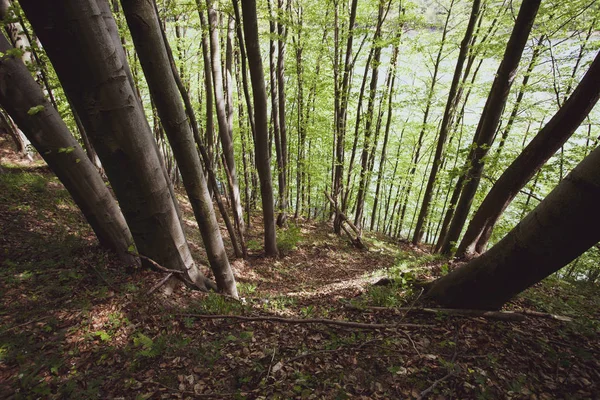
[(287, 239)]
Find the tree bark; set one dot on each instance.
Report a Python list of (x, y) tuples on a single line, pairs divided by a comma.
[(490, 118), (550, 237), (451, 104), (93, 73), (261, 147), (151, 48), (224, 132), (19, 94), (547, 142)]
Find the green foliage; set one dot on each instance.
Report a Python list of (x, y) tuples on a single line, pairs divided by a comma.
[(147, 347), (288, 238), (35, 110)]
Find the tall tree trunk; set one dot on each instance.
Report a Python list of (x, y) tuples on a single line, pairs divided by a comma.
[(208, 86), (281, 46), (363, 182), (550, 237), (490, 118), (19, 94), (275, 104), (112, 116), (261, 148), (449, 112), (151, 48), (224, 133), (341, 109), (549, 140)]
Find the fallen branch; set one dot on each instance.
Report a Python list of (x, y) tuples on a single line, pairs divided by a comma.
[(538, 314), (499, 315), (332, 322), (207, 284), (159, 284), (356, 242), (425, 392)]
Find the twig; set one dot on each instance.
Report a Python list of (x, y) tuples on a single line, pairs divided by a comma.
[(413, 343), (425, 392), (157, 265), (33, 321), (270, 365), (499, 315), (104, 279), (193, 393), (159, 284), (333, 322)]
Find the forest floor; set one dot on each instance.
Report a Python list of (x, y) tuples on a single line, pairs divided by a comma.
[(75, 323)]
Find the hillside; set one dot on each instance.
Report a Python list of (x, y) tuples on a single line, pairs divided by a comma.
[(77, 324)]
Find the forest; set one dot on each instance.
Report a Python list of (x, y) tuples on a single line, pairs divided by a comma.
[(300, 199)]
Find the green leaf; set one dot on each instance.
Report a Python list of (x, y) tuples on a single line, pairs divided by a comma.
[(35, 110)]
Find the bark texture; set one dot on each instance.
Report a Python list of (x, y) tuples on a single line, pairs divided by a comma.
[(48, 133), (547, 142), (261, 147), (154, 58), (91, 68), (560, 229)]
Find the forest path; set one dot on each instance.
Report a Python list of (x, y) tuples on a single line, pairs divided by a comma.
[(75, 323)]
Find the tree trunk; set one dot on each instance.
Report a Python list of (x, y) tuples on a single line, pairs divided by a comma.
[(532, 158), (151, 48), (281, 44), (490, 118), (341, 109), (451, 104), (224, 133), (363, 182), (261, 147), (19, 94), (550, 237), (93, 73)]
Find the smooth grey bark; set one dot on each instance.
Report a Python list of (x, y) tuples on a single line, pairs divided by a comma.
[(19, 93), (555, 233), (224, 124), (546, 143), (93, 73), (490, 118), (261, 147), (154, 58)]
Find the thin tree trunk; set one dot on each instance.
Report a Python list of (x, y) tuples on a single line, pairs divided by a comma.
[(449, 112), (490, 118), (556, 132), (224, 124), (260, 117)]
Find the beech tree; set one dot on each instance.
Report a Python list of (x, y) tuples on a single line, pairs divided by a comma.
[(552, 235), (261, 147), (549, 140), (488, 123), (24, 100), (151, 49), (93, 73)]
